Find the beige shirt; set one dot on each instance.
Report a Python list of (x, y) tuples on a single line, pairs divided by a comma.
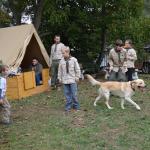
[(74, 71), (131, 58), (118, 60), (56, 55)]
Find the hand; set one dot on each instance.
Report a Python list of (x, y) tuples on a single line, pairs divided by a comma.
[(59, 81), (1, 102), (124, 70), (77, 80), (110, 68)]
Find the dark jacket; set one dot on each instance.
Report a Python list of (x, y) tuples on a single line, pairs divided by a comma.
[(37, 68)]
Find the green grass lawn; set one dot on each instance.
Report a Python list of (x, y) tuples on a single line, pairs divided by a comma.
[(39, 123)]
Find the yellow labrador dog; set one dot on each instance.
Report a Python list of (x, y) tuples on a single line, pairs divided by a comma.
[(124, 90)]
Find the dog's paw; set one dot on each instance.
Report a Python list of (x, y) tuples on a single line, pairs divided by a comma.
[(110, 108), (95, 104), (138, 108), (123, 108)]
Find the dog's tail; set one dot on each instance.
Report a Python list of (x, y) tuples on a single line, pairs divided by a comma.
[(92, 80)]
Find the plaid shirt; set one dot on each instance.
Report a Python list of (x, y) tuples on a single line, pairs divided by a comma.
[(70, 75), (56, 54)]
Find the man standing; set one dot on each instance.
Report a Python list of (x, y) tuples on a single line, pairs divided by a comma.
[(55, 57), (118, 62)]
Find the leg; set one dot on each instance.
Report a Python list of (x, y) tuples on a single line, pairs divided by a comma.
[(98, 97), (133, 103), (130, 73), (54, 72), (5, 111), (74, 96), (107, 95), (38, 78), (67, 93), (121, 77), (122, 103), (112, 76)]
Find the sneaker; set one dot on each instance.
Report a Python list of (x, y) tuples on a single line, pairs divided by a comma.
[(6, 123), (58, 89), (76, 110), (53, 87)]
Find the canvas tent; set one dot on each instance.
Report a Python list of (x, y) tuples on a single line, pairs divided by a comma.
[(18, 46)]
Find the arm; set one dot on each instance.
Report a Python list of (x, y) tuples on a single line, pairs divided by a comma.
[(77, 70), (132, 56), (59, 73), (1, 100), (39, 69), (110, 61), (50, 59)]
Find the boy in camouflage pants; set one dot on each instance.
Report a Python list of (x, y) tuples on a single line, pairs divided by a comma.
[(4, 104)]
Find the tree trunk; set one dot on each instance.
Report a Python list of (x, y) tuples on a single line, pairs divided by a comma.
[(104, 29), (17, 18), (103, 34), (38, 14), (103, 38)]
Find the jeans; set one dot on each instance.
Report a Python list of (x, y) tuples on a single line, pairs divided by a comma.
[(54, 72), (38, 78), (70, 92)]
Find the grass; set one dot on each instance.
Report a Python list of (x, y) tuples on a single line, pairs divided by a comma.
[(39, 123)]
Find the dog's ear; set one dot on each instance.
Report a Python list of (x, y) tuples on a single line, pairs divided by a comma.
[(133, 83)]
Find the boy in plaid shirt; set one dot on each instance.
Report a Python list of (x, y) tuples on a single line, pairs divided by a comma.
[(69, 74)]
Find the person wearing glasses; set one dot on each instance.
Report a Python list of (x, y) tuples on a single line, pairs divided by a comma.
[(117, 62)]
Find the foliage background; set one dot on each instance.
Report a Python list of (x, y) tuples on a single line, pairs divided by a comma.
[(88, 27)]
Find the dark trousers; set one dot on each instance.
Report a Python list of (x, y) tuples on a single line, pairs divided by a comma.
[(130, 73), (54, 72)]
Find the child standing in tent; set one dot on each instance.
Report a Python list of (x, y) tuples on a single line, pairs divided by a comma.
[(4, 104), (69, 74)]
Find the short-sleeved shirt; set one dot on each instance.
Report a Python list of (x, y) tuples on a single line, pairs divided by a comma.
[(2, 87)]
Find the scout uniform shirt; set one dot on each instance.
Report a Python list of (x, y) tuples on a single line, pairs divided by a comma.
[(69, 71), (118, 60), (56, 52)]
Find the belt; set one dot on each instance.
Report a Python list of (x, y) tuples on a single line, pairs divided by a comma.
[(56, 59)]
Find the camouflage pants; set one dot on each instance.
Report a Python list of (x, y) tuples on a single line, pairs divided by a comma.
[(5, 112)]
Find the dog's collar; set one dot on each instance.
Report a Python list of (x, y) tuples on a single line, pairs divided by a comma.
[(132, 86)]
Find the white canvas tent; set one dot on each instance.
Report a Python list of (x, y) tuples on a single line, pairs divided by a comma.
[(19, 45)]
